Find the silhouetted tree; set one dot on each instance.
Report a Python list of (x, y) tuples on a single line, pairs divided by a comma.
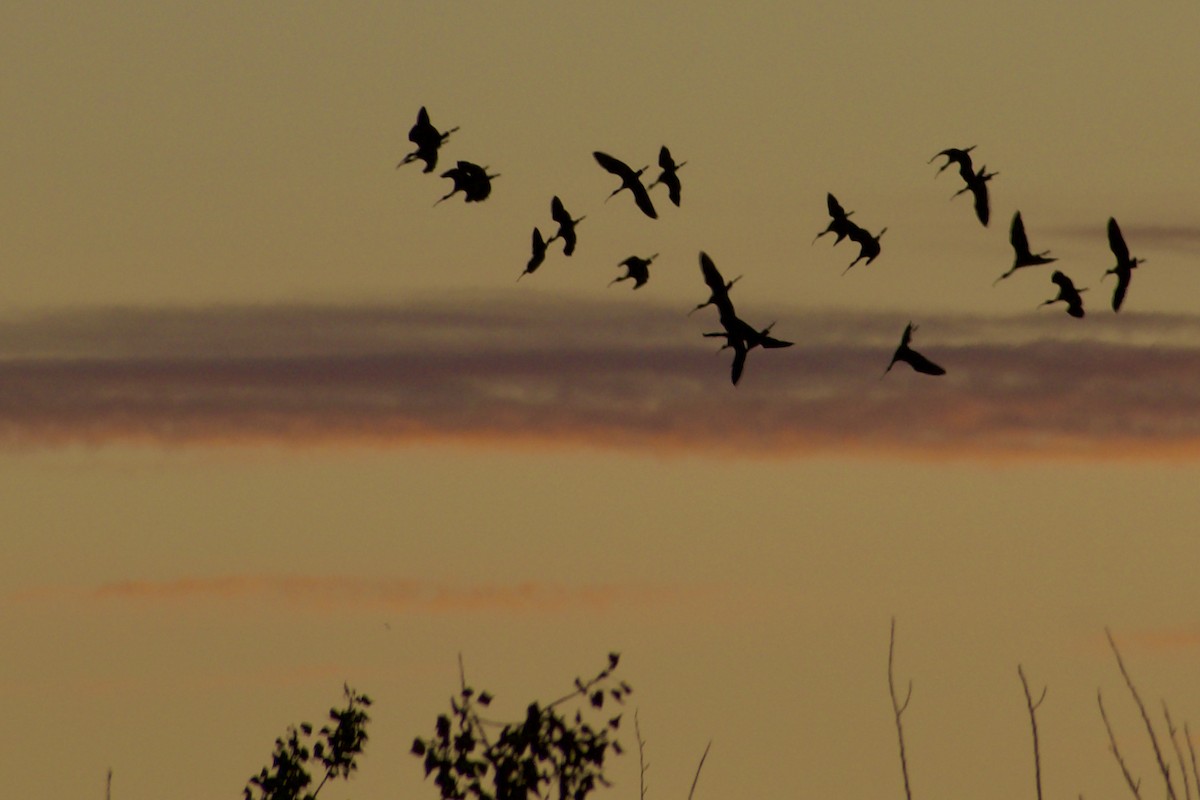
[(335, 750), (547, 751)]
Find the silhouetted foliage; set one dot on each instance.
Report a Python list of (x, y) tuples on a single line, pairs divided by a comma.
[(547, 751), (335, 750)]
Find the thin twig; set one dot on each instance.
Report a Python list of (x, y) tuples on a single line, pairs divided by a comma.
[(1174, 734), (642, 765), (1187, 737), (1162, 765), (898, 709), (1033, 707), (1112, 740), (692, 791)]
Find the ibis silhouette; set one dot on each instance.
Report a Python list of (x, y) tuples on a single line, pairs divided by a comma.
[(539, 254), (668, 176), (1125, 264), (839, 222), (911, 357), (1023, 257), (471, 179), (955, 155), (869, 247), (566, 226), (630, 180), (636, 269), (977, 185), (428, 140), (739, 335), (1067, 293)]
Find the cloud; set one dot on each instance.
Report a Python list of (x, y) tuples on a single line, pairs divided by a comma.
[(336, 594), (534, 371)]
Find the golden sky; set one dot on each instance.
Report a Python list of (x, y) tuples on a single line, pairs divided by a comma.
[(270, 421)]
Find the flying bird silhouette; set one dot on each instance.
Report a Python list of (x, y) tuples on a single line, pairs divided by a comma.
[(839, 222), (869, 247), (977, 185), (668, 176), (1125, 264), (741, 337), (911, 357), (539, 254), (1023, 257), (566, 226), (630, 180), (427, 139), (1067, 293), (958, 156), (471, 179), (636, 269)]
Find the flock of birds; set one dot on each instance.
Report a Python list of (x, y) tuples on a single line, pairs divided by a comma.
[(475, 182)]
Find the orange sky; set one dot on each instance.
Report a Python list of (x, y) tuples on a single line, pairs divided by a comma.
[(270, 421)]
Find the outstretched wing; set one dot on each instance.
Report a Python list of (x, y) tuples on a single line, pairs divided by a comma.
[(982, 210), (613, 165), (918, 362), (1123, 278), (835, 208), (1116, 241), (558, 212), (1016, 235), (642, 197), (664, 159)]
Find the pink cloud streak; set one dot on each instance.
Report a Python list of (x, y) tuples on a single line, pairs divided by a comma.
[(539, 373)]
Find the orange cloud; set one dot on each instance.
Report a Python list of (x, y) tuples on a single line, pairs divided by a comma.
[(569, 373)]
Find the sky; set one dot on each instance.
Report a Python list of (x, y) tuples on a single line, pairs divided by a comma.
[(272, 422)]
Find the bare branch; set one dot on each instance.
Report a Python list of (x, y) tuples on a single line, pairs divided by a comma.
[(698, 767), (1033, 707), (1162, 764), (1187, 737), (1112, 740), (898, 709), (642, 765), (1174, 734)]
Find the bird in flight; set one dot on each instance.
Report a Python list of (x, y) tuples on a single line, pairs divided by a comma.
[(1125, 264), (539, 254), (630, 180), (839, 222), (1023, 257), (566, 226), (471, 179), (739, 335), (977, 185), (911, 357), (958, 156), (869, 247), (1067, 293), (427, 139), (636, 269), (668, 177)]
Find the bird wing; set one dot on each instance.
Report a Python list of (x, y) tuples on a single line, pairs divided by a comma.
[(664, 159), (642, 197), (1123, 278), (982, 210), (613, 165), (423, 129), (1016, 235), (906, 337), (918, 362), (674, 188), (1116, 241), (558, 212), (835, 208), (739, 359), (1064, 283)]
